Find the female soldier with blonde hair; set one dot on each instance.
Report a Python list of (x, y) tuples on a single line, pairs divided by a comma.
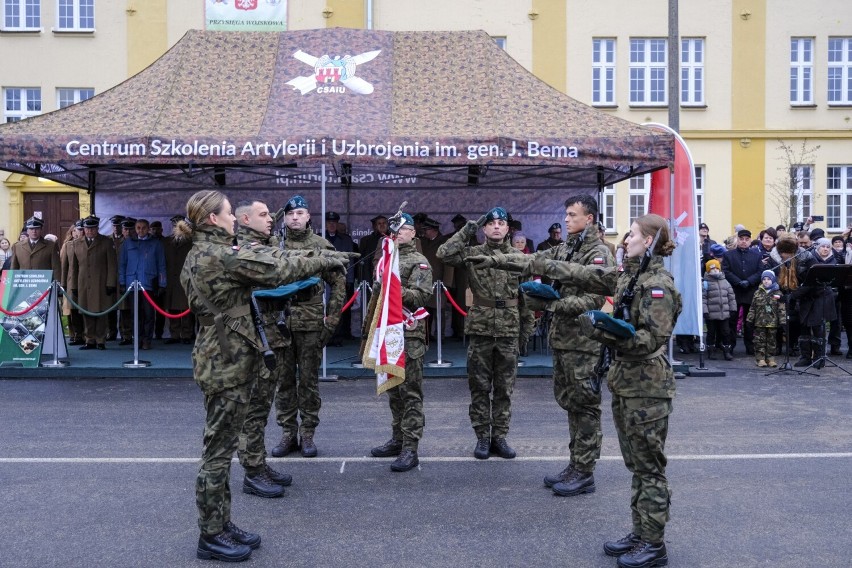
[(218, 277)]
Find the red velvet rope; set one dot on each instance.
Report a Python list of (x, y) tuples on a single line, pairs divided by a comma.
[(37, 302), (160, 310), (453, 302), (351, 301)]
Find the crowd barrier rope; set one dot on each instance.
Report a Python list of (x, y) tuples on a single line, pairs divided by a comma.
[(351, 301), (29, 309), (160, 310), (95, 314), (452, 301)]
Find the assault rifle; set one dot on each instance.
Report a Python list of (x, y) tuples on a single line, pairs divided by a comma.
[(622, 312), (257, 317)]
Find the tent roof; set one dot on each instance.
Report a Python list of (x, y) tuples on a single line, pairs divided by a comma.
[(243, 106)]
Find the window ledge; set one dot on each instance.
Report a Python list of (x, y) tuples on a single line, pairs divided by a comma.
[(693, 107), (72, 32), (605, 107), (804, 106), (11, 31), (840, 105), (651, 106)]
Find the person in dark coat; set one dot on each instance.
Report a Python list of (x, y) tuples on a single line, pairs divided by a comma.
[(742, 267), (816, 306), (368, 246), (705, 242)]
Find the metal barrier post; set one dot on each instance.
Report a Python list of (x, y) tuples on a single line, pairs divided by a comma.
[(136, 363), (56, 363), (324, 376), (439, 324), (363, 287)]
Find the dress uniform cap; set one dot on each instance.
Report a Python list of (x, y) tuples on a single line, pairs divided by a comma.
[(332, 216), (116, 219), (555, 227), (91, 222), (377, 217), (459, 218), (703, 226), (431, 224), (296, 202), (128, 223), (34, 223), (78, 224), (497, 213), (175, 219)]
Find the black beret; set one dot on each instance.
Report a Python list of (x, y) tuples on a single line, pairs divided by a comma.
[(817, 234)]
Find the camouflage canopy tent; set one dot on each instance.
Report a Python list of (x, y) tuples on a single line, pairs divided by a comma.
[(389, 112)]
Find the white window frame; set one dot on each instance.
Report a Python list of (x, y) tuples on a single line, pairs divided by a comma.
[(649, 72), (692, 79), (802, 190), (839, 71), (77, 23), (838, 182), (34, 18), (699, 191), (607, 209), (72, 96), (23, 98), (500, 41), (801, 71), (638, 194), (603, 71)]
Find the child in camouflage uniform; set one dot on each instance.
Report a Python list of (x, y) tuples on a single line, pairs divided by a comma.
[(767, 314)]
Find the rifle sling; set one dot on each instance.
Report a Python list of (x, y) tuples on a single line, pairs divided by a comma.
[(620, 356)]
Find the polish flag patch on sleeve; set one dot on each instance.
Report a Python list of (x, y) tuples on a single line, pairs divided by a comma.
[(423, 266), (658, 293), (598, 260)]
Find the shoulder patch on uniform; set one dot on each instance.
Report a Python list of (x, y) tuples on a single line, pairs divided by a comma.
[(598, 260), (658, 293), (423, 266), (236, 247)]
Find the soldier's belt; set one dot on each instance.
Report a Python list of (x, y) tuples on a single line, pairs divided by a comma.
[(313, 300), (620, 356), (219, 321), (502, 303)]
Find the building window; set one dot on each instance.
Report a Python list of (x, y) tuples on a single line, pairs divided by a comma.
[(500, 41), (68, 97), (76, 15), (801, 192), (699, 192), (801, 71), (639, 186), (838, 197), (608, 208), (692, 72), (840, 70), (603, 72), (648, 68), (21, 14), (21, 103)]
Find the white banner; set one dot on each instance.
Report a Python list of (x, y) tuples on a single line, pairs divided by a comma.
[(245, 15)]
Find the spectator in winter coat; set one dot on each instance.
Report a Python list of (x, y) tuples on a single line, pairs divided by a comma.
[(720, 304), (767, 314), (742, 267)]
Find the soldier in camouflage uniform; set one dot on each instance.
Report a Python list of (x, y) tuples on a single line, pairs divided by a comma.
[(640, 379), (575, 355), (406, 399), (494, 323), (255, 227), (218, 277), (312, 327), (767, 314)]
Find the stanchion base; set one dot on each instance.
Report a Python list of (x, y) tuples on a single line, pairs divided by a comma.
[(54, 364), (328, 379), (521, 363), (357, 365), (136, 364), (439, 364)]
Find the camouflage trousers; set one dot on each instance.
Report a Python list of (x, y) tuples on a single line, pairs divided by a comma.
[(572, 387), (642, 425), (492, 364), (252, 447), (298, 397), (226, 412), (765, 342), (406, 401)]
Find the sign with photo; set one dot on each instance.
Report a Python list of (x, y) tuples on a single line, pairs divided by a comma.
[(22, 292)]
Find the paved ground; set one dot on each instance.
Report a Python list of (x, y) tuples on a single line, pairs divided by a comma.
[(100, 473)]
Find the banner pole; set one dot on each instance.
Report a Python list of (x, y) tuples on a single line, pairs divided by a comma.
[(324, 376), (362, 287), (136, 363)]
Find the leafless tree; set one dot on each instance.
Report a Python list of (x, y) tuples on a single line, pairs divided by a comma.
[(792, 190)]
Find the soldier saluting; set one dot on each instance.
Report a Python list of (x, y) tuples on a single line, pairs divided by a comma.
[(493, 323), (218, 277)]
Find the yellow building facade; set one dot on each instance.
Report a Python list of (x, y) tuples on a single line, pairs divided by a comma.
[(740, 107)]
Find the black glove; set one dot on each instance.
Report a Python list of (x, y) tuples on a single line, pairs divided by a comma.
[(482, 221), (744, 284), (523, 346), (326, 334), (110, 290)]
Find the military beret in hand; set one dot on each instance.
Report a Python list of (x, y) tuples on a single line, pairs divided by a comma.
[(539, 290), (605, 322)]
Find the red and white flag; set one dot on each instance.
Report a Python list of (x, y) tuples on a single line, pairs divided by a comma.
[(385, 351)]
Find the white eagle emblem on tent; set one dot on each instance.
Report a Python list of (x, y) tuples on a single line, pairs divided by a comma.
[(329, 70)]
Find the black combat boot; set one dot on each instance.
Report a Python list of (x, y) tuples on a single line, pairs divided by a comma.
[(222, 547), (482, 446), (242, 537), (644, 555), (309, 449), (288, 444), (711, 353), (258, 483), (405, 461), (805, 346), (282, 479), (728, 352), (551, 480), (580, 482), (500, 447), (388, 449), (621, 546)]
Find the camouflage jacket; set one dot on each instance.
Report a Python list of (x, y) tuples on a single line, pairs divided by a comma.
[(490, 285), (306, 310), (226, 274), (767, 308), (564, 329), (640, 367), (271, 310)]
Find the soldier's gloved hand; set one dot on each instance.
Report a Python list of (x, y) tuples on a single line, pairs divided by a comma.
[(332, 264), (327, 333), (587, 324), (353, 256), (482, 221), (481, 261), (110, 290), (523, 346)]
